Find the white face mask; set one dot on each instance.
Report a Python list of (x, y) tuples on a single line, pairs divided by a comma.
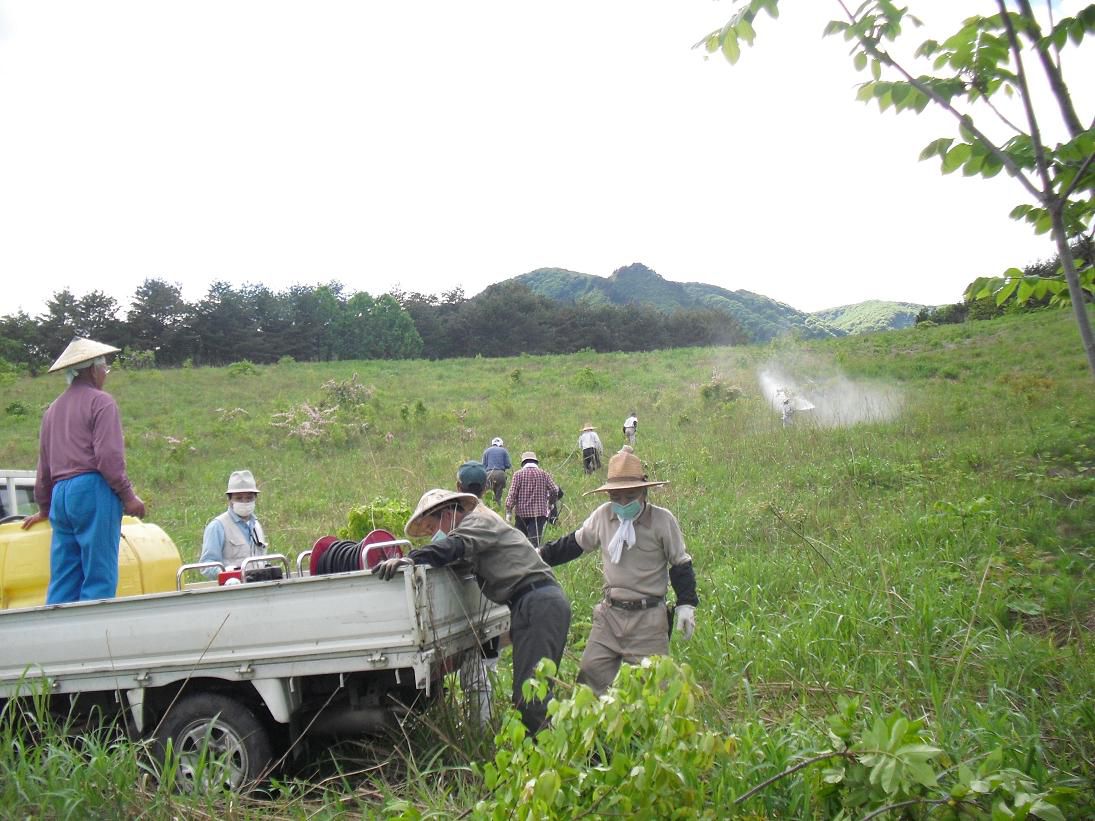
[(439, 535), (243, 509)]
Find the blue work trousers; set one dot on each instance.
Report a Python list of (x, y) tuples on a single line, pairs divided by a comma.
[(86, 516)]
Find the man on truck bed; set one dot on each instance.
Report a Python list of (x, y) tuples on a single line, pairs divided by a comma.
[(82, 485), (509, 571), (236, 534)]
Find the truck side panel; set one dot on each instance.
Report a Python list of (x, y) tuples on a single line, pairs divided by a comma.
[(295, 627)]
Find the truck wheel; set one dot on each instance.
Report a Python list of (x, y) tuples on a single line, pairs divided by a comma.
[(217, 742)]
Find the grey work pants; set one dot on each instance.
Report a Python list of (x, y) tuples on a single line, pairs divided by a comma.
[(539, 623), (618, 636), (496, 484)]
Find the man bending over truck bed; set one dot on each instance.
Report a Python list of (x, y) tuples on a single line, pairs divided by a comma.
[(509, 571)]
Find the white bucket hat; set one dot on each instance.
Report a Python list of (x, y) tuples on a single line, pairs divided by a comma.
[(496, 442), (79, 352), (241, 481), (433, 499)]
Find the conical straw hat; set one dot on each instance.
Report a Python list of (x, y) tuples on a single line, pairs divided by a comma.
[(433, 499), (79, 351)]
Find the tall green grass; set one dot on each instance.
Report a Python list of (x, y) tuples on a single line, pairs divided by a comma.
[(937, 562)]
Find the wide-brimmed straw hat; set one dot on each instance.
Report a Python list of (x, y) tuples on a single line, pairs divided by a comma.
[(625, 470), (79, 351), (241, 481), (529, 456), (588, 426), (430, 501)]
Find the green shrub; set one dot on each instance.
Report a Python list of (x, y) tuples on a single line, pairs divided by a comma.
[(347, 391), (287, 360), (379, 514), (243, 368), (132, 359), (8, 372), (587, 380), (717, 390), (637, 751)]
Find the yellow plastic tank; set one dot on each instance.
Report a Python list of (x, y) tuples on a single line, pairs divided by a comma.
[(147, 562)]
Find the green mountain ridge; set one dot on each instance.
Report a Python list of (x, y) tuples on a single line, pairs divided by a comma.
[(763, 317)]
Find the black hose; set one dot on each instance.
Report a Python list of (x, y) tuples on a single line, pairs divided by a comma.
[(342, 556)]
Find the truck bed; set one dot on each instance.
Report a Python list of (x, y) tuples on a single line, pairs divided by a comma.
[(301, 626)]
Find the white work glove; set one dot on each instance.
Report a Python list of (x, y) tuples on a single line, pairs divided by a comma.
[(685, 620), (388, 568)]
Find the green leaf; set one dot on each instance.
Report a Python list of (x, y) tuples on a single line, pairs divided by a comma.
[(956, 157), (1004, 293), (860, 60), (1046, 811), (745, 31), (730, 48), (835, 27), (973, 166), (1076, 32)]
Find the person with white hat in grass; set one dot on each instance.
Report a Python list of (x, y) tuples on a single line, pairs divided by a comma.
[(82, 486), (509, 571), (631, 427), (497, 463), (236, 534), (531, 493), (642, 552), (589, 443)]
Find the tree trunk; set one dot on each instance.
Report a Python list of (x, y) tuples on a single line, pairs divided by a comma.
[(1079, 306)]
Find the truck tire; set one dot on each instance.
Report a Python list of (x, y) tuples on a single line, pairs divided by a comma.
[(239, 752)]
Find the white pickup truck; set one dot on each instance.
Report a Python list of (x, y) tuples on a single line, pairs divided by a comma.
[(253, 669)]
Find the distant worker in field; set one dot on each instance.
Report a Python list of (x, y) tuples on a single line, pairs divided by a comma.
[(478, 667), (631, 426), (496, 461), (642, 553), (236, 534), (531, 493), (509, 572), (589, 443), (82, 486), (786, 406)]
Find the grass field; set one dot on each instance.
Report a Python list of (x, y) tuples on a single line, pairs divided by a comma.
[(921, 543)]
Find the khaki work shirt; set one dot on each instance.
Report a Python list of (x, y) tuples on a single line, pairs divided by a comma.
[(499, 554), (643, 569)]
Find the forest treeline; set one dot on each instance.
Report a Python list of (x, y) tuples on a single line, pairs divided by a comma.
[(325, 322)]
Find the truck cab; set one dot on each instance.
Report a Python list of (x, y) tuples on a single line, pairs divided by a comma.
[(17, 493)]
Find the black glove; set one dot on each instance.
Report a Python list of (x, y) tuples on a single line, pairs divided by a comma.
[(387, 569)]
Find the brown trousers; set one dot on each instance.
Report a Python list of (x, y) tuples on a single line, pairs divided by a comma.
[(619, 636)]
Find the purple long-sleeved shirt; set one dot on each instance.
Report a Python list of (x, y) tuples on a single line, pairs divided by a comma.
[(81, 433)]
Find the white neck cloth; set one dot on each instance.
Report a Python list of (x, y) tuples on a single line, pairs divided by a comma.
[(625, 537)]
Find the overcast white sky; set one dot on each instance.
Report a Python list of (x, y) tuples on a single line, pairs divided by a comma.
[(433, 143)]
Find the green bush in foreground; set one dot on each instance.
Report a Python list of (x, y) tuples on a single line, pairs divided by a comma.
[(638, 750)]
